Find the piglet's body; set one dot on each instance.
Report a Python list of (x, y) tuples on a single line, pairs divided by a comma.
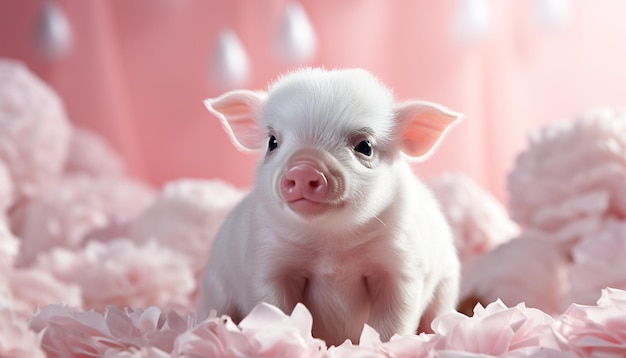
[(336, 219)]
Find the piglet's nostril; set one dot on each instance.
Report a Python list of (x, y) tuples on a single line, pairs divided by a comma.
[(289, 184)]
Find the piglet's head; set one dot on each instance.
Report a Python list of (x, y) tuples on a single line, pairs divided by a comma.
[(331, 141)]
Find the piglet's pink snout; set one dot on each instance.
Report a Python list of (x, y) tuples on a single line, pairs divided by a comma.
[(304, 180)]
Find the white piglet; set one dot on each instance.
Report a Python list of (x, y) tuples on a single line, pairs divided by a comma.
[(336, 219)]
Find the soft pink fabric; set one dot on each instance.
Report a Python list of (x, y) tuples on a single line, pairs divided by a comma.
[(138, 70)]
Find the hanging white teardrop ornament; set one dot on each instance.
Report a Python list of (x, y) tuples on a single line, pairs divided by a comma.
[(550, 14), (471, 21), (295, 41), (229, 63), (53, 35)]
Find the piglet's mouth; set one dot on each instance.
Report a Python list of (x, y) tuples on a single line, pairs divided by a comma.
[(307, 208)]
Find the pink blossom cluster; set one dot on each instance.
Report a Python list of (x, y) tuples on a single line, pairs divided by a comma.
[(187, 211), (478, 220), (572, 173), (568, 193), (16, 339), (34, 130), (595, 331), (75, 229), (492, 331)]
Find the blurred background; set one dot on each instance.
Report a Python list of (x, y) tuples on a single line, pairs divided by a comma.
[(136, 71)]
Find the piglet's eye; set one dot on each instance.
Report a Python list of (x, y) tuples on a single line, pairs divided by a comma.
[(364, 147), (273, 143)]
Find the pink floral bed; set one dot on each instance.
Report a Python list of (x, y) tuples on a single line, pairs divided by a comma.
[(94, 263)]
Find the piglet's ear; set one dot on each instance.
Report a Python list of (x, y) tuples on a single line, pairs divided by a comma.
[(422, 125), (239, 111)]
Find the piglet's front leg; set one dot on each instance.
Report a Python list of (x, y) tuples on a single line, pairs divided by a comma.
[(283, 289), (396, 307)]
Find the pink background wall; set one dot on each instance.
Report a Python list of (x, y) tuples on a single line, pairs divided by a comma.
[(138, 70)]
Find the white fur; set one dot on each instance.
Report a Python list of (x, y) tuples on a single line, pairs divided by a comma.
[(383, 256)]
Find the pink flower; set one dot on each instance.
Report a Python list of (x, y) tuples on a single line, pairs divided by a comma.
[(594, 331), (34, 129), (598, 262), (7, 194), (186, 216), (67, 210), (526, 269), (495, 330), (370, 345), (122, 273), (587, 154), (9, 247), (16, 340), (265, 332), (144, 352), (30, 288), (478, 221), (129, 333), (91, 155), (117, 227)]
